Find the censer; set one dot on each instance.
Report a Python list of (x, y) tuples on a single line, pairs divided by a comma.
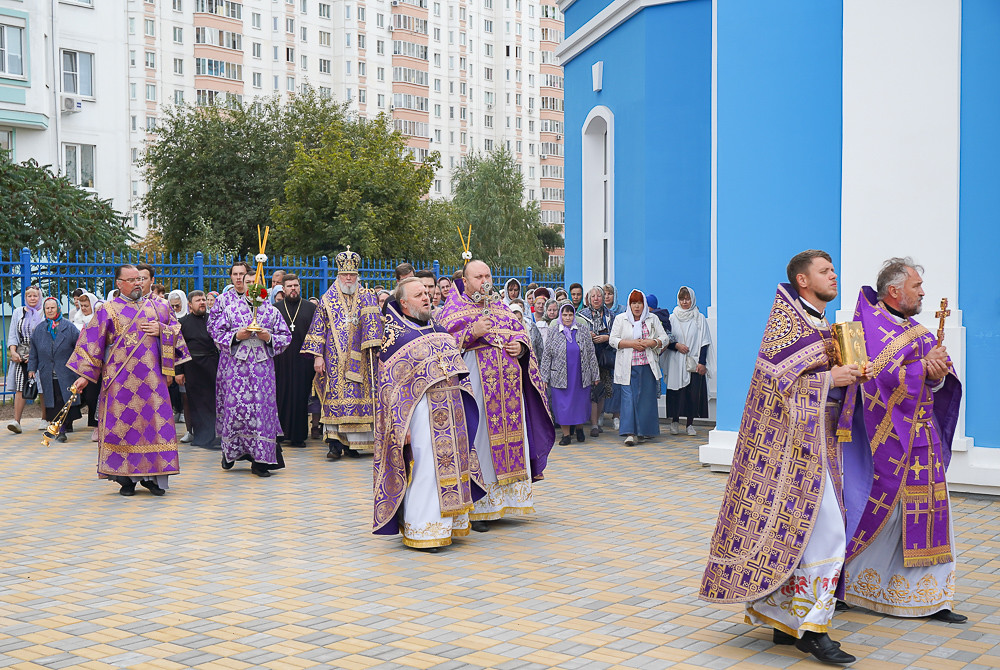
[(52, 431)]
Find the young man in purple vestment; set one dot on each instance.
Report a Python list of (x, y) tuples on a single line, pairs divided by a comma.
[(779, 541), (343, 340), (897, 430), (515, 433), (247, 404), (130, 347)]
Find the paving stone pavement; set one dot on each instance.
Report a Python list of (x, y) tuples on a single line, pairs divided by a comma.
[(231, 571)]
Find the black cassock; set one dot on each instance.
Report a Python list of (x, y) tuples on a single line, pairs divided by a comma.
[(200, 373), (294, 372)]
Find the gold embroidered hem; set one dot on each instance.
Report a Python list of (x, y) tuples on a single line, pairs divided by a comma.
[(499, 514), (892, 610), (426, 544)]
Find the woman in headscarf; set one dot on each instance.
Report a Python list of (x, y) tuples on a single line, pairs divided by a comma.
[(277, 294), (600, 318), (511, 290), (52, 344), (22, 324), (611, 300), (687, 386), (88, 302), (178, 303), (569, 369), (638, 337), (561, 295), (210, 299), (549, 315)]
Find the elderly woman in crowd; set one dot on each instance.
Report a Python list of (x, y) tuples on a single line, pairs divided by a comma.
[(638, 337), (22, 324), (547, 319), (178, 303), (600, 319), (86, 304), (561, 295), (569, 370), (52, 343), (687, 386)]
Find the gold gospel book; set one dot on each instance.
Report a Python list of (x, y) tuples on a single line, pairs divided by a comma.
[(849, 338)]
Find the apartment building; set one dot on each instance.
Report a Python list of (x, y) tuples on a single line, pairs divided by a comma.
[(455, 76), (62, 98)]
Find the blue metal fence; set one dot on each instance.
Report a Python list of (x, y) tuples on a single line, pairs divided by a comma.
[(59, 274)]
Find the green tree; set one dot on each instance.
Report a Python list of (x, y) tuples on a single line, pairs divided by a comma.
[(41, 209), (358, 186), (489, 189), (215, 172)]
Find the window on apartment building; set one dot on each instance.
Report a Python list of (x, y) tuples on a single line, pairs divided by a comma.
[(350, 95), (380, 100), (361, 41), (361, 13), (178, 35), (290, 26), (149, 27), (258, 80), (79, 164), (276, 80), (256, 49), (304, 6), (305, 62), (178, 5), (78, 72), (135, 187), (437, 9), (324, 10), (451, 37), (178, 97), (488, 50), (151, 60), (324, 38), (437, 34), (363, 96), (437, 111), (347, 12), (379, 45), (347, 67), (131, 26), (380, 19), (531, 126), (437, 60), (274, 24), (324, 65), (289, 54), (131, 57), (531, 34), (488, 121), (290, 83), (437, 185), (462, 139), (277, 53), (325, 91), (135, 123), (531, 80), (488, 73), (303, 34), (437, 85), (451, 112), (133, 90), (362, 68), (380, 74), (150, 124), (255, 20), (135, 155), (347, 40), (178, 66), (151, 92), (487, 145)]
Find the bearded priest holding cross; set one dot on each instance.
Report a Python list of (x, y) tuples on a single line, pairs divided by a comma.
[(897, 430)]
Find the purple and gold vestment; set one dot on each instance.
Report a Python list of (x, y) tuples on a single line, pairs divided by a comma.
[(897, 430), (422, 363), (346, 331), (136, 436), (786, 453), (506, 382), (246, 393)]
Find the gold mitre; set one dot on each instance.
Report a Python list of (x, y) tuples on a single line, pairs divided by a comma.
[(348, 261)]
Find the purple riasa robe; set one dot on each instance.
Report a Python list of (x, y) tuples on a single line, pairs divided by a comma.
[(135, 433), (246, 393), (904, 448)]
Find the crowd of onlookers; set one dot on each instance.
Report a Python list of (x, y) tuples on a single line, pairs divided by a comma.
[(597, 355)]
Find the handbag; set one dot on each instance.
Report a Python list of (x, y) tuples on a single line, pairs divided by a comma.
[(23, 350), (605, 356), (691, 363), (30, 389)]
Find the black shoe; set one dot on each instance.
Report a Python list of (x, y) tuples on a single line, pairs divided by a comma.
[(61, 437), (823, 648), (841, 606), (352, 453), (227, 465), (579, 435), (595, 431), (480, 526), (565, 439), (153, 487), (781, 637), (948, 616), (127, 487), (260, 469), (336, 449)]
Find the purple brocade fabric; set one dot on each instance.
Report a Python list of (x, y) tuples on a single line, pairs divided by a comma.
[(417, 361), (136, 433), (900, 442), (786, 444), (505, 381), (346, 331), (246, 401)]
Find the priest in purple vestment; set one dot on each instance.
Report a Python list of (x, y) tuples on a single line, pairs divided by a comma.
[(130, 347), (897, 430), (515, 433), (779, 541), (246, 394), (426, 470), (343, 341)]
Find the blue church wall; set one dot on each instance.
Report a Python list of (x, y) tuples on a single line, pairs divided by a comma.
[(779, 165), (979, 212), (582, 11), (657, 82)]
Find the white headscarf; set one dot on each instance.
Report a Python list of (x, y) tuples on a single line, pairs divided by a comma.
[(177, 293), (684, 314), (507, 300), (111, 294), (79, 318), (636, 323)]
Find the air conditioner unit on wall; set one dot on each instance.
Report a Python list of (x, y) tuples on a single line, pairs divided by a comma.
[(71, 104), (391, 29), (542, 156)]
